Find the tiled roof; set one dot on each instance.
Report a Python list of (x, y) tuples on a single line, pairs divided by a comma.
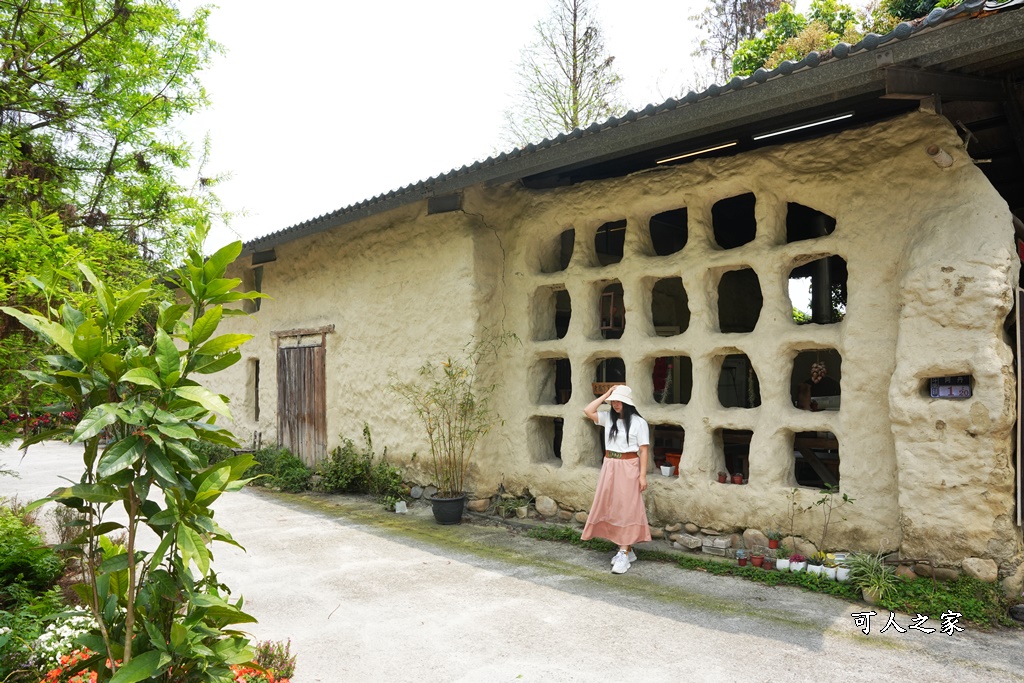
[(468, 175)]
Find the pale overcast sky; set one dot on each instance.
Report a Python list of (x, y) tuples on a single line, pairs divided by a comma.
[(318, 105)]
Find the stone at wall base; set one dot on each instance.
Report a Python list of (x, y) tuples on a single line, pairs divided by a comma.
[(981, 569), (479, 505)]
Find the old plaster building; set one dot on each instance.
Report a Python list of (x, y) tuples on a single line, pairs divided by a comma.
[(659, 249)]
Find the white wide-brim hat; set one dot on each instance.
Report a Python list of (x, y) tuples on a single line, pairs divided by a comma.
[(621, 393)]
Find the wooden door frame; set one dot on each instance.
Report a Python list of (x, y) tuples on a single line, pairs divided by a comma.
[(298, 335)]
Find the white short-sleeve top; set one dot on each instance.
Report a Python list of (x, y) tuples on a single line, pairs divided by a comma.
[(639, 433)]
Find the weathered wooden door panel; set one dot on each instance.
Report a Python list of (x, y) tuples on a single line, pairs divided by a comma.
[(301, 402)]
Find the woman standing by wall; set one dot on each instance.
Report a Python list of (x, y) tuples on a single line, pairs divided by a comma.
[(618, 512)]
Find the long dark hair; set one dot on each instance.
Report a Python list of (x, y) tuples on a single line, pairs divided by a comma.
[(628, 412)]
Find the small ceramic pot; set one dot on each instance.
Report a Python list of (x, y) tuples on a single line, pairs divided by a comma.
[(723, 478), (757, 560), (797, 566), (782, 564), (737, 478), (773, 543), (667, 470), (741, 561), (842, 574), (814, 569)]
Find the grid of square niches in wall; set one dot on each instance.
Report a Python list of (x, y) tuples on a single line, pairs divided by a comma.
[(818, 289)]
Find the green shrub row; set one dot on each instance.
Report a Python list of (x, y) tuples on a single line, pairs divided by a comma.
[(351, 469), (981, 604)]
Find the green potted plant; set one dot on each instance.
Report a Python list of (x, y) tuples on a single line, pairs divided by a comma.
[(876, 579), (782, 558), (453, 403), (797, 563), (816, 563), (774, 536)]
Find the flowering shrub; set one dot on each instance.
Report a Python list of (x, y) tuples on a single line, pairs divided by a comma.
[(247, 674), (58, 637), (68, 663)]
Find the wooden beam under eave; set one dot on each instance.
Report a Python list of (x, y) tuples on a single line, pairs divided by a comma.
[(904, 83)]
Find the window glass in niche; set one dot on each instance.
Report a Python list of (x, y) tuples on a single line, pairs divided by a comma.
[(739, 301), (613, 312), (818, 291), (669, 231), (805, 223), (737, 383), (815, 380), (610, 242), (733, 221), (672, 377), (670, 308), (556, 253)]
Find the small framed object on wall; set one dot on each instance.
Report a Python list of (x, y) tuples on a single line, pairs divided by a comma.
[(955, 386)]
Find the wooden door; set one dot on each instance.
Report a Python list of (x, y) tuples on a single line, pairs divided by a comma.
[(301, 402)]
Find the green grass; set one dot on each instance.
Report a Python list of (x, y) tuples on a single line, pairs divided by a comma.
[(981, 604)]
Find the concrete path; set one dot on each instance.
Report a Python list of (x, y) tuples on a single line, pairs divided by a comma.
[(369, 595)]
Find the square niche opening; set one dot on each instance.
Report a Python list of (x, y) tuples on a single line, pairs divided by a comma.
[(818, 291), (737, 383), (733, 221), (669, 231), (544, 439), (551, 313), (613, 311), (667, 442), (815, 380), (610, 241), (816, 459), (739, 301), (805, 223), (551, 381), (556, 252), (733, 456), (608, 371), (672, 377), (670, 307)]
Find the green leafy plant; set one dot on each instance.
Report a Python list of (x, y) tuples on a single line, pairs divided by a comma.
[(506, 507), (817, 559), (773, 535), (276, 467), (453, 403), (349, 469), (828, 505), (160, 610), (869, 572)]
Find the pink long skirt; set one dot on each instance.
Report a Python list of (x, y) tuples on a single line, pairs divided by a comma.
[(618, 512)]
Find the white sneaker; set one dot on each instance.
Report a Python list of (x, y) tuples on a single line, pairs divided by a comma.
[(620, 563), (631, 557)]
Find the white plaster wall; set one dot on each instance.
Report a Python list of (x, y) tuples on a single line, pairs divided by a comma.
[(403, 286)]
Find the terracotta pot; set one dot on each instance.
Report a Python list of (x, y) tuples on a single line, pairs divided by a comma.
[(722, 479), (757, 560), (769, 563), (741, 561), (773, 543), (737, 478)]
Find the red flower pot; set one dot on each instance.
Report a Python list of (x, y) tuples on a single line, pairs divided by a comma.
[(741, 561), (722, 478), (773, 543), (737, 478), (757, 560)]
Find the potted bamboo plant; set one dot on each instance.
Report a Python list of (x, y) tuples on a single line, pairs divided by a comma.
[(454, 406), (876, 579)]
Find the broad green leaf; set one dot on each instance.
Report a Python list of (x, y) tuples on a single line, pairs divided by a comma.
[(49, 330), (168, 358), (171, 315), (103, 297), (141, 667), (160, 466), (208, 488), (206, 325), (120, 455), (130, 304), (161, 550), (218, 287), (205, 398), (95, 421), (225, 342), (94, 493), (45, 435), (205, 365), (193, 549), (221, 259), (142, 376), (40, 377), (112, 365), (179, 431), (88, 341)]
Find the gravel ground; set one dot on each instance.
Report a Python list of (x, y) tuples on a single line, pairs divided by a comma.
[(371, 595)]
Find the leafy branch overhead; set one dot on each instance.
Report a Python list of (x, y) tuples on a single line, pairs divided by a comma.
[(143, 413)]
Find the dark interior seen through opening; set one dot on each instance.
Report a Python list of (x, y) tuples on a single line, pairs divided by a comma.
[(733, 221)]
